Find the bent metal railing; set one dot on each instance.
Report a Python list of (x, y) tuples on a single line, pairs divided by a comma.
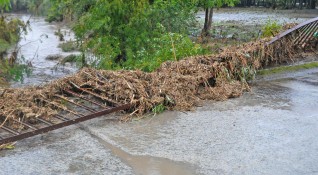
[(301, 34), (81, 106), (76, 112)]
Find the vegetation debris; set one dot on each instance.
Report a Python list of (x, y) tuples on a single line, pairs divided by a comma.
[(178, 85)]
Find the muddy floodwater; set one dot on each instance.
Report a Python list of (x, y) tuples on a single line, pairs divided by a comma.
[(247, 16), (40, 42), (270, 130)]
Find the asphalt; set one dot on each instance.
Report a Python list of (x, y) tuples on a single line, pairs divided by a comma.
[(270, 130)]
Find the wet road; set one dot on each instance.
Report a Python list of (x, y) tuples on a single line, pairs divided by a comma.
[(270, 130)]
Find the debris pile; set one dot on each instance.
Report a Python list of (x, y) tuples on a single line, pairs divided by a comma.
[(177, 85)]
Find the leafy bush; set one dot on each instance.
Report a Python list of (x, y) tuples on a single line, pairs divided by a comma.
[(68, 46), (4, 5), (158, 109), (170, 46), (271, 28), (136, 35), (10, 33), (15, 72), (9, 36)]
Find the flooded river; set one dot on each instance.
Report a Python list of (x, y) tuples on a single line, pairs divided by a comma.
[(271, 130), (247, 16), (39, 43)]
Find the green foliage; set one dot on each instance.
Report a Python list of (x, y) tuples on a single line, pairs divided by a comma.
[(68, 46), (5, 5), (160, 108), (271, 28), (9, 36), (283, 69), (136, 34), (216, 3), (70, 59), (68, 10), (38, 7), (10, 33), (247, 73), (15, 72), (162, 49)]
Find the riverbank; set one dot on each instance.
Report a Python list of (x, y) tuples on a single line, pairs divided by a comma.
[(232, 27)]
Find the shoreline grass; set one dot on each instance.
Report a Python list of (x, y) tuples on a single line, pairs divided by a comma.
[(292, 68)]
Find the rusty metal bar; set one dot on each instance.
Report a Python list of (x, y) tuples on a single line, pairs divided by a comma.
[(304, 32), (64, 109), (303, 29), (12, 131), (45, 121), (84, 98), (19, 136), (60, 117), (93, 77), (310, 31), (25, 124), (76, 104), (94, 94), (101, 76)]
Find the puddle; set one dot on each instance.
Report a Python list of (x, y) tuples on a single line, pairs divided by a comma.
[(146, 165)]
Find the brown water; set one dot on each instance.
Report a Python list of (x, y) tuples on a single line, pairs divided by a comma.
[(145, 165), (247, 16), (272, 129), (36, 45)]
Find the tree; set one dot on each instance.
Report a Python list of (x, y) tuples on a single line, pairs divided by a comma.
[(127, 31), (208, 6), (4, 5)]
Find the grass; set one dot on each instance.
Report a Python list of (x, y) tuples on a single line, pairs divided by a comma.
[(158, 109), (15, 72), (9, 146), (69, 59), (69, 46), (282, 69), (230, 34)]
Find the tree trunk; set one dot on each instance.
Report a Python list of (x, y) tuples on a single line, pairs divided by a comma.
[(312, 4), (207, 22), (301, 4)]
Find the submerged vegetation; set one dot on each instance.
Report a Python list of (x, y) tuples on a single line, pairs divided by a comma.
[(143, 34), (11, 67), (10, 34)]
